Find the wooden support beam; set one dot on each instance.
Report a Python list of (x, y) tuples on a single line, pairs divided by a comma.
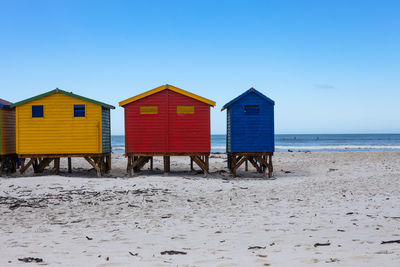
[(35, 165), (2, 162), (22, 162), (191, 163), (129, 166), (166, 164), (246, 166), (254, 163), (108, 163), (139, 163), (270, 166), (69, 165), (43, 164), (94, 165), (237, 165), (151, 163), (30, 162), (263, 162), (200, 163), (57, 165)]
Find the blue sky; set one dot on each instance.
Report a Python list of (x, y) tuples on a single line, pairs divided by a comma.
[(330, 66)]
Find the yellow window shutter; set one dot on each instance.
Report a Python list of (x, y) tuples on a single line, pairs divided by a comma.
[(148, 109), (185, 109)]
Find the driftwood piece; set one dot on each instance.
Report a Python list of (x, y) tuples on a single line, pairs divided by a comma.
[(391, 241), (173, 252), (322, 244)]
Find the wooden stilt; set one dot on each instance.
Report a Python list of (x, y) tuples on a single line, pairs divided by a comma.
[(151, 163), (166, 164), (246, 166), (191, 164), (69, 165), (57, 165), (94, 165), (129, 167), (108, 163), (1, 165), (23, 169), (207, 161), (260, 160)]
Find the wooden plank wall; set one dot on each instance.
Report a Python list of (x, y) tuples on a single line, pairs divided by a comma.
[(106, 130), (59, 132), (252, 133), (7, 132)]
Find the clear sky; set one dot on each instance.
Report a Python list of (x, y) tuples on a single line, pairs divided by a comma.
[(330, 66)]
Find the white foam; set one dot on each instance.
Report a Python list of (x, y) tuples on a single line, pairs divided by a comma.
[(218, 147)]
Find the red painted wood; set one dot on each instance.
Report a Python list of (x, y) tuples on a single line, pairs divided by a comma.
[(167, 131), (147, 132)]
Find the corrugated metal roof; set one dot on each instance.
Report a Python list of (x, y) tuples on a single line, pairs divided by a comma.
[(65, 93), (251, 90)]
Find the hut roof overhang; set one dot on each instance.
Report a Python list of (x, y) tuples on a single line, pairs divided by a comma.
[(167, 87), (251, 90), (4, 103), (65, 93)]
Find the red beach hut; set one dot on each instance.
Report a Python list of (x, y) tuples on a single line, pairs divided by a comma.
[(167, 121)]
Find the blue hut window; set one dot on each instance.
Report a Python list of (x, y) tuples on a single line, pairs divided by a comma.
[(79, 110), (37, 111), (252, 109)]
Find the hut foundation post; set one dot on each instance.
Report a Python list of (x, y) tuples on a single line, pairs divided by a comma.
[(166, 164), (57, 165), (69, 165), (151, 163), (129, 167), (1, 165), (108, 163), (270, 166), (191, 164), (246, 166)]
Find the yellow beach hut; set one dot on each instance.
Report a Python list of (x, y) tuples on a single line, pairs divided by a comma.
[(8, 158), (60, 124)]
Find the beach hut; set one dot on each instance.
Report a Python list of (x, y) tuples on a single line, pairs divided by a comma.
[(250, 131), (167, 121), (61, 124), (8, 159)]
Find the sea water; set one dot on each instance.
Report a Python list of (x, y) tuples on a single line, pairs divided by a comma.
[(305, 142)]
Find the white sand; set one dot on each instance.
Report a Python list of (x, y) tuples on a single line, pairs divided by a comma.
[(213, 220)]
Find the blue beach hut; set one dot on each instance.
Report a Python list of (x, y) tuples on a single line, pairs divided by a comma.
[(250, 131)]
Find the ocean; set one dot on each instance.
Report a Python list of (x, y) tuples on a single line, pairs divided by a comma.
[(305, 142)]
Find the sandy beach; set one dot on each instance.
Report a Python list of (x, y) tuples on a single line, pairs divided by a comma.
[(324, 208)]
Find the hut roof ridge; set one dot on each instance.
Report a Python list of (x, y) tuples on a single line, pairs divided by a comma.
[(166, 87), (251, 90), (65, 93)]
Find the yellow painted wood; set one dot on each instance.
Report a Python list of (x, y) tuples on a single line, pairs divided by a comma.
[(164, 87), (148, 109), (7, 131), (185, 109), (58, 132)]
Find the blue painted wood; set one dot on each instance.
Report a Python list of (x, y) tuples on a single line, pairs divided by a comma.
[(250, 123)]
